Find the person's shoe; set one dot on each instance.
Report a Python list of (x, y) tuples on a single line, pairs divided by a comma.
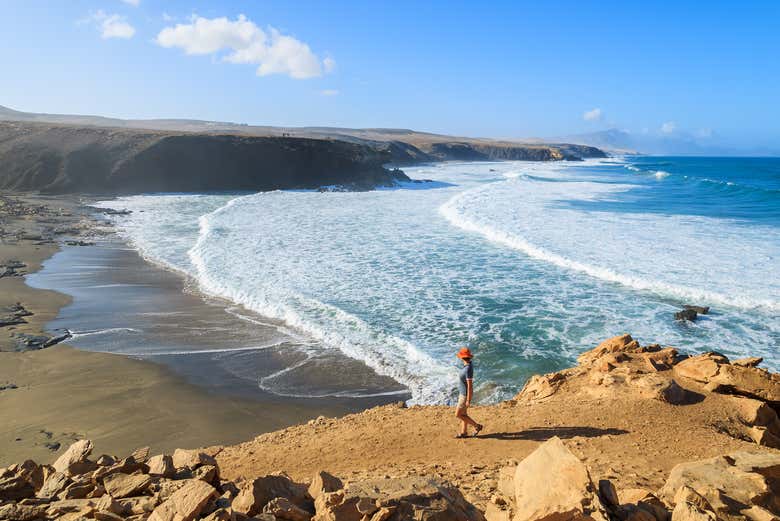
[(461, 435), (478, 429)]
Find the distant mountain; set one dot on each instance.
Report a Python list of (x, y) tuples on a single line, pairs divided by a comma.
[(619, 141), (613, 140)]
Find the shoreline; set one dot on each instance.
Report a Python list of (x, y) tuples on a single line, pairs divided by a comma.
[(45, 400)]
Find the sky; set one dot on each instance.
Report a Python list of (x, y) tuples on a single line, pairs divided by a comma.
[(494, 69)]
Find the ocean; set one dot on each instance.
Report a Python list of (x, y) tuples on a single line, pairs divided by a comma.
[(529, 264)]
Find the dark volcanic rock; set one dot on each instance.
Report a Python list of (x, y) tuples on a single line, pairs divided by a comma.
[(686, 314), (701, 310)]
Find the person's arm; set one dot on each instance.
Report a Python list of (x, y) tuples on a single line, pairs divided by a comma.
[(469, 389)]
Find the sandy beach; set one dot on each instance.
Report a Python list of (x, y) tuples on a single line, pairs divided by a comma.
[(55, 395)]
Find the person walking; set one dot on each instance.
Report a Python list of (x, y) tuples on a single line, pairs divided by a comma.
[(465, 392)]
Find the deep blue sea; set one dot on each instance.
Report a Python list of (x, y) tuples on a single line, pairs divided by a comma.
[(527, 263)]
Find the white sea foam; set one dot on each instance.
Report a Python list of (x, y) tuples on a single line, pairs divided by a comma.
[(390, 278), (526, 208)]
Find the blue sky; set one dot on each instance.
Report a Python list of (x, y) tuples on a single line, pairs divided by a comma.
[(501, 69)]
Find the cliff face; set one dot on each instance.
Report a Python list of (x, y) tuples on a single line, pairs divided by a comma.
[(68, 159), (475, 151)]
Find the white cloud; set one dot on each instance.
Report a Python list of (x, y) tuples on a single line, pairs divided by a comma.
[(134, 3), (592, 115), (669, 127), (245, 42), (111, 25), (330, 92)]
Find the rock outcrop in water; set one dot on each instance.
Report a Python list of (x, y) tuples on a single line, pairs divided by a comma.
[(67, 159)]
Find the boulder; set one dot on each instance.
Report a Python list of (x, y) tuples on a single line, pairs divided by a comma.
[(506, 481), (729, 483), (720, 376), (618, 344), (662, 359), (74, 459), (702, 367), (395, 499), (701, 310), (634, 499), (54, 484), (186, 503), (133, 506), (18, 512), (692, 506), (751, 361), (551, 484), (495, 512), (207, 473), (761, 421), (324, 482), (121, 485), (191, 459), (752, 382), (541, 387), (282, 508), (658, 387), (255, 495), (161, 465), (140, 455)]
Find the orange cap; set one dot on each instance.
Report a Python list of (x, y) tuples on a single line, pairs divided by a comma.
[(464, 352)]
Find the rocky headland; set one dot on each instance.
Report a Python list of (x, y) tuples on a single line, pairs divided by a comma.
[(61, 154), (632, 433)]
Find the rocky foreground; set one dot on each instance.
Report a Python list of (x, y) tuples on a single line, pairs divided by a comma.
[(556, 481)]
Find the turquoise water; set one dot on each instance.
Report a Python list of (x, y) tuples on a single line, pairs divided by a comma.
[(527, 263)]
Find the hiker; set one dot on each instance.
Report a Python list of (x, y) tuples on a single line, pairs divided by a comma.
[(466, 389)]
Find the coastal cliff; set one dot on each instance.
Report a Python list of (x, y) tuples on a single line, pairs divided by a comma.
[(56, 154), (60, 159)]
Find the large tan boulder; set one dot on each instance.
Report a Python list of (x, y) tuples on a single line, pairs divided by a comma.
[(19, 512), (324, 482), (551, 484), (692, 506), (255, 495), (125, 485), (633, 500), (20, 481), (191, 459), (283, 508), (186, 503), (618, 344), (161, 465), (540, 387), (720, 376), (134, 506), (761, 423), (396, 499), (54, 484), (730, 483), (74, 459)]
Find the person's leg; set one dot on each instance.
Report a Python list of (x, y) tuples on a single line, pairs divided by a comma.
[(467, 420)]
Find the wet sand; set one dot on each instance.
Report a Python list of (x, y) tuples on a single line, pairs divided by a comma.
[(191, 370)]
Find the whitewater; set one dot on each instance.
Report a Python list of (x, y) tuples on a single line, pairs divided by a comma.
[(527, 263)]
